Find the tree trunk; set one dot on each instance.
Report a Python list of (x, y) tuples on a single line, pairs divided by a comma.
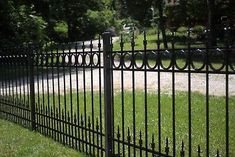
[(211, 23), (162, 23), (69, 19)]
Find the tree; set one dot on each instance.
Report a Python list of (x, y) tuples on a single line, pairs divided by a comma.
[(211, 22), (159, 5), (137, 9), (187, 12), (76, 17), (20, 23)]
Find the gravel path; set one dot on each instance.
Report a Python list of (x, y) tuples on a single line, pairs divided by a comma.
[(198, 82)]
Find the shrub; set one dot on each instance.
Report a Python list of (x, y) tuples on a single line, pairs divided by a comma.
[(61, 30), (198, 29), (101, 20), (182, 30)]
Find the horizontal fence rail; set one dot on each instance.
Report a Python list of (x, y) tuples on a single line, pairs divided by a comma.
[(106, 102)]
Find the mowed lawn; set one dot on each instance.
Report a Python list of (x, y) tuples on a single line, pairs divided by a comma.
[(123, 114), (16, 141)]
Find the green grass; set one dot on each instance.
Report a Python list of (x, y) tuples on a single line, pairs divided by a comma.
[(216, 114), (151, 38), (16, 141)]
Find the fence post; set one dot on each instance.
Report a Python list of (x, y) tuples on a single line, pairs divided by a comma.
[(32, 90), (107, 93)]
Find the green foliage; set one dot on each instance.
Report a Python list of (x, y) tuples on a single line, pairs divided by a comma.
[(79, 27), (191, 10), (182, 30), (20, 23), (61, 30), (100, 19), (117, 24), (138, 10), (30, 26), (72, 20), (152, 31), (198, 29)]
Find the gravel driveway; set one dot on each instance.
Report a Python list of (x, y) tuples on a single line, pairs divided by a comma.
[(198, 81)]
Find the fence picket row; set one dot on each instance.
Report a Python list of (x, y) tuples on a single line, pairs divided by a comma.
[(99, 101)]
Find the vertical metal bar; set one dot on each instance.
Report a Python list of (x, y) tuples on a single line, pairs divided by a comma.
[(63, 125), (145, 93), (100, 97), (12, 79), (2, 79), (118, 137), (189, 96), (182, 153), (133, 89), (113, 108), (65, 96), (19, 75), (159, 91), (167, 149), (173, 95), (89, 134), (76, 131), (38, 90), (46, 120), (107, 93), (140, 143), (4, 76), (153, 145), (82, 130), (17, 71), (1, 68), (8, 76), (52, 127), (77, 97), (7, 85), (58, 86), (69, 122), (129, 142), (207, 100), (57, 124), (16, 77), (122, 95), (27, 68), (92, 97), (48, 88), (198, 151), (227, 52), (32, 89), (43, 91), (25, 82), (71, 93), (97, 137), (53, 89), (84, 91)]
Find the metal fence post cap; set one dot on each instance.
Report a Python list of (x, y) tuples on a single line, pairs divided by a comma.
[(106, 33), (107, 42)]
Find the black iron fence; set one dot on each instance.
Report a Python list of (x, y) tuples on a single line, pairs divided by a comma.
[(151, 102)]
